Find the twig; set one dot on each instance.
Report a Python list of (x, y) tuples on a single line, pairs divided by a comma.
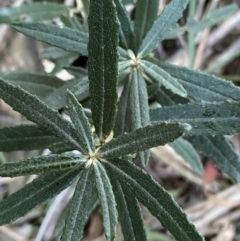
[(12, 234)]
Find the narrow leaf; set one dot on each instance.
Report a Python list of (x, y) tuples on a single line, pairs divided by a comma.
[(40, 164), (213, 17), (129, 213), (125, 31), (201, 86), (146, 14), (32, 12), (81, 123), (165, 98), (54, 53), (35, 83), (80, 204), (38, 112), (25, 138), (57, 98), (138, 101), (2, 158), (76, 71), (156, 199), (103, 65), (35, 193), (163, 25), (107, 201), (122, 121), (217, 118), (186, 150), (143, 139), (219, 150), (64, 38), (162, 77)]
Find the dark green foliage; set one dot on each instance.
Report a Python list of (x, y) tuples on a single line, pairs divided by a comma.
[(107, 131)]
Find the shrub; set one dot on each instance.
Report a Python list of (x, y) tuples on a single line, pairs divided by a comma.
[(198, 107)]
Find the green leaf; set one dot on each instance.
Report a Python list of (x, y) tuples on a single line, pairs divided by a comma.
[(35, 193), (40, 164), (143, 139), (139, 101), (60, 147), (163, 25), (72, 22), (154, 197), (107, 200), (25, 138), (201, 86), (61, 37), (146, 14), (80, 204), (165, 97), (139, 111), (103, 64), (162, 77), (32, 12), (125, 31), (35, 83), (122, 121), (186, 150), (2, 158), (81, 124), (76, 71), (129, 213), (219, 150), (217, 118), (36, 111), (54, 53), (213, 17), (57, 99)]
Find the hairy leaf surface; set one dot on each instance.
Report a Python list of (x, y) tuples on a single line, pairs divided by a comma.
[(146, 14), (103, 65), (57, 99), (35, 193), (32, 12), (65, 38), (143, 139), (162, 77), (122, 121), (139, 107), (25, 138), (38, 112), (81, 123), (156, 199), (163, 25), (221, 153), (40, 164), (35, 83), (217, 118), (80, 204), (107, 200), (201, 86), (125, 31), (129, 213)]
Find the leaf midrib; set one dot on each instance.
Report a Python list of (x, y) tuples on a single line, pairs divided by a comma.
[(35, 193), (77, 212), (165, 22), (105, 153), (69, 139), (155, 200)]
